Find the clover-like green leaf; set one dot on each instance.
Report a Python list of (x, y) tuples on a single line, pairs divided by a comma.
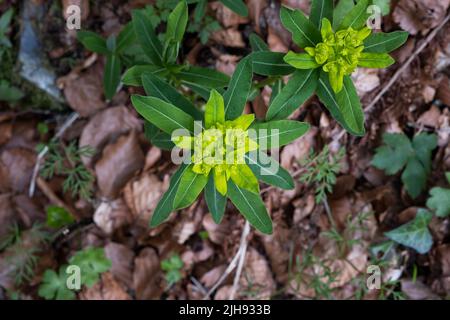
[(394, 155), (439, 201), (92, 262), (58, 217), (414, 234), (54, 285)]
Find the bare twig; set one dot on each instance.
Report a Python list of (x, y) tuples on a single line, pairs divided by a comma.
[(243, 251), (233, 262), (70, 120)]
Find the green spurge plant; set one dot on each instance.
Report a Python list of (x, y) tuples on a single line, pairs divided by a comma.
[(229, 156), (336, 41)]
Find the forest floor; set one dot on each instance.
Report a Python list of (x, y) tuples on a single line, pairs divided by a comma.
[(318, 250)]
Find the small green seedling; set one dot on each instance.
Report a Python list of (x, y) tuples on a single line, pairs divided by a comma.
[(172, 269), (335, 42), (228, 159), (399, 152), (58, 217), (439, 200), (92, 263)]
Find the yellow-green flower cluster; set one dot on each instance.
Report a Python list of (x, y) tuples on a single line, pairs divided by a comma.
[(221, 147), (339, 53)]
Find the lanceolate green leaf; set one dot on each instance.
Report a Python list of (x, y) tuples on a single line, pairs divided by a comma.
[(304, 33), (239, 89), (257, 43), (321, 9), (301, 60), (300, 87), (350, 106), (176, 23), (165, 205), (251, 207), (191, 184), (375, 60), (357, 17), (93, 42), (342, 8), (385, 42), (158, 88), (111, 77), (125, 38), (214, 110), (133, 76), (215, 201), (205, 77), (414, 234), (329, 99), (268, 63), (164, 115), (269, 170), (163, 141), (147, 38), (237, 6), (275, 134)]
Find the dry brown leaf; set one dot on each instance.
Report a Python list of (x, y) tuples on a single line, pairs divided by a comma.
[(6, 130), (152, 157), (226, 63), (118, 164), (111, 216), (212, 276), (16, 169), (365, 80), (105, 127), (84, 92), (431, 117), (299, 149), (7, 215), (417, 290), (420, 15), (106, 289), (216, 232), (142, 196), (122, 262), (229, 37), (226, 17), (303, 5), (255, 10), (147, 275)]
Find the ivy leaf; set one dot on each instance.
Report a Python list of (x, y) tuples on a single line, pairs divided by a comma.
[(92, 262), (356, 18), (191, 184), (299, 88), (238, 6), (275, 134), (215, 201), (423, 145), (268, 170), (321, 9), (268, 63), (58, 217), (385, 42), (251, 207), (414, 234), (93, 42), (111, 78), (239, 89), (147, 38), (439, 201), (164, 115), (165, 205), (414, 177), (301, 60), (54, 285), (375, 60), (394, 155), (304, 33)]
